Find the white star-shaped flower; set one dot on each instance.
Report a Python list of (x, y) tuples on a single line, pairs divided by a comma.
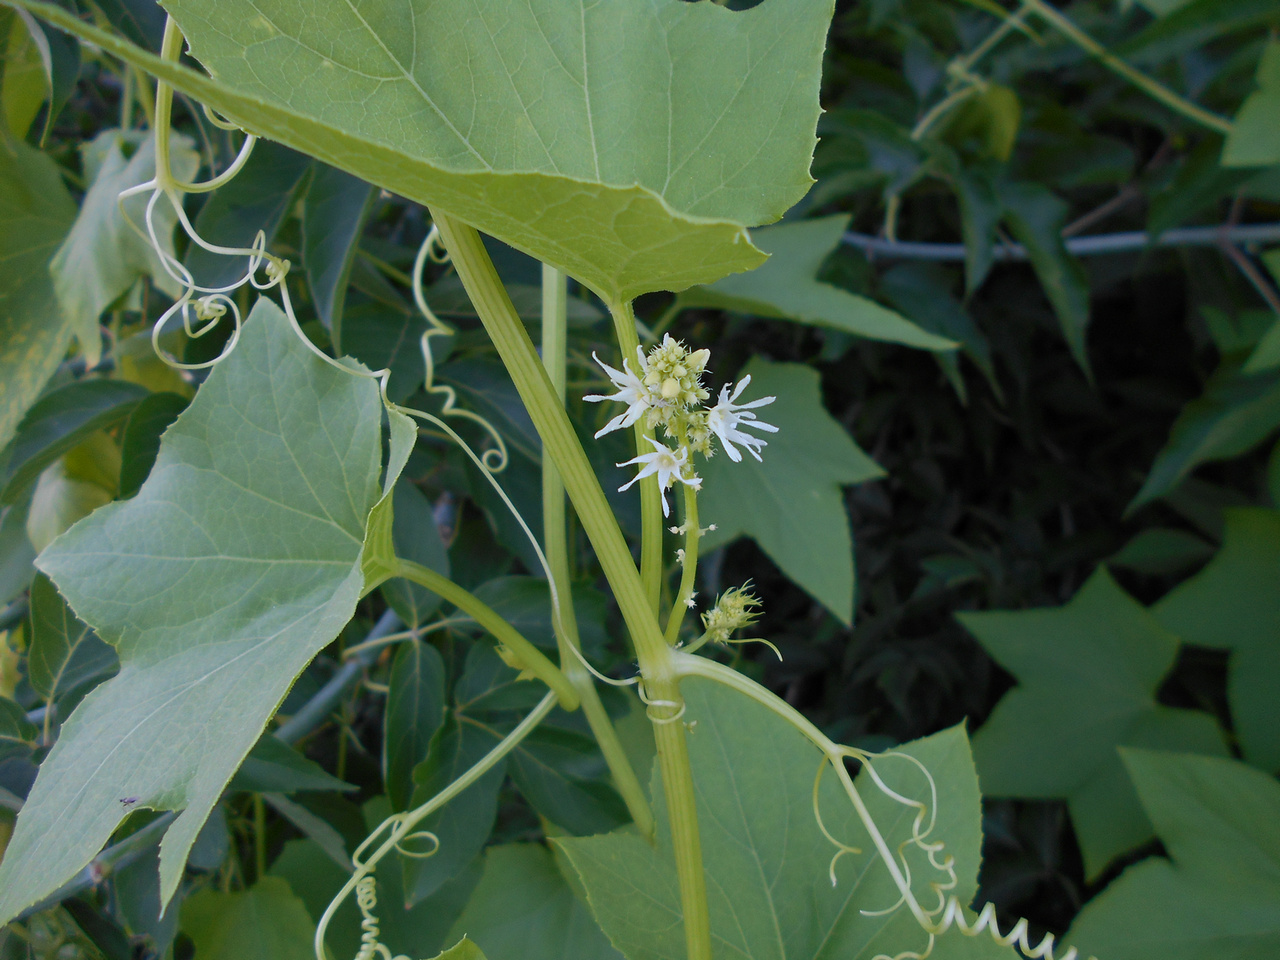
[(726, 417), (668, 464), (631, 390)]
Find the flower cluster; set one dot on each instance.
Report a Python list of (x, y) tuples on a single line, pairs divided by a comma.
[(735, 609), (665, 392)]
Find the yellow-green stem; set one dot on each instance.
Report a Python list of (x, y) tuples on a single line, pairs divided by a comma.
[(170, 49), (529, 657), (690, 571), (624, 325), (556, 546), (559, 441)]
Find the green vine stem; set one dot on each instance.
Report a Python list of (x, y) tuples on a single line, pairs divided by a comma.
[(624, 325), (1150, 86), (559, 441), (525, 654), (555, 543)]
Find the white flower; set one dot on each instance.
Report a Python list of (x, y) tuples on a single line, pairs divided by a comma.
[(726, 417), (668, 464), (631, 390)]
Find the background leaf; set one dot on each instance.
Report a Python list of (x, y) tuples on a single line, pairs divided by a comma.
[(265, 922), (791, 504), (35, 214), (103, 256), (61, 420), (1234, 604), (787, 287), (415, 711), (65, 656), (1219, 894), (333, 213), (1087, 677), (524, 910)]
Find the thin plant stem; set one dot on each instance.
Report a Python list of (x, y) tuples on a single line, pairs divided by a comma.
[(688, 576), (556, 545), (1153, 88), (560, 442), (529, 656)]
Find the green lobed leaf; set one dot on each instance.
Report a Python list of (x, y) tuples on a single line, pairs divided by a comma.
[(236, 562), (65, 655), (35, 214), (1234, 604), (787, 288), (62, 420), (265, 922), (524, 910), (415, 711), (791, 504), (103, 256), (628, 186), (766, 861), (1087, 678), (1218, 896)]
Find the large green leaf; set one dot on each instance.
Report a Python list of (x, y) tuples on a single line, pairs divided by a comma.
[(766, 860), (1087, 679), (524, 910), (787, 287), (35, 213), (103, 255), (265, 922), (626, 143), (1218, 897), (791, 503), (1234, 604), (235, 563)]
